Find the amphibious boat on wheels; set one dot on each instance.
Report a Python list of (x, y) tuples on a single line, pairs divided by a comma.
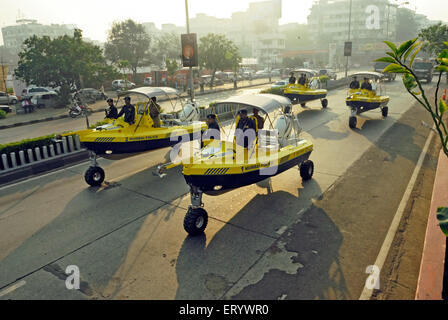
[(221, 166), (302, 94), (118, 139), (361, 100)]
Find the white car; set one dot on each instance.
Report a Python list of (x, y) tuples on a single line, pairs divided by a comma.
[(123, 84), (7, 98), (280, 84), (31, 91)]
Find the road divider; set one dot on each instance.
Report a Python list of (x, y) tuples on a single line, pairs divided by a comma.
[(57, 153)]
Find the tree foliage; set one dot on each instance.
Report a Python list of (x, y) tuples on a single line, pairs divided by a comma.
[(401, 60), (128, 41), (434, 37), (65, 62), (216, 52), (167, 46)]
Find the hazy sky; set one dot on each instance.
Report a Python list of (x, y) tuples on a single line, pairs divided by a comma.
[(95, 17)]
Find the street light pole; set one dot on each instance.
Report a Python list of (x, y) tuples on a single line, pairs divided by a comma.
[(349, 30), (191, 86)]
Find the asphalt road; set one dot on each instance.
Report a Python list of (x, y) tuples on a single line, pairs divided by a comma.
[(279, 239)]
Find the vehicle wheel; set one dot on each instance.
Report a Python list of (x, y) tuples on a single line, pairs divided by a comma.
[(94, 176), (195, 221), (324, 103), (352, 122), (73, 114), (384, 111), (13, 101), (307, 170)]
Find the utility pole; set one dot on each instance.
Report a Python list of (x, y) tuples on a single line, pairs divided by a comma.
[(349, 31), (191, 84)]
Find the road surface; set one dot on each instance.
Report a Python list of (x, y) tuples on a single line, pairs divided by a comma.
[(279, 239)]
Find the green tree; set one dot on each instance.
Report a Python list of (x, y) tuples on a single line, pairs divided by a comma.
[(167, 46), (128, 41), (216, 52), (63, 62), (433, 38), (171, 67)]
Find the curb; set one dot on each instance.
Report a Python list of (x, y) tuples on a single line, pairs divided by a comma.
[(40, 167), (430, 285)]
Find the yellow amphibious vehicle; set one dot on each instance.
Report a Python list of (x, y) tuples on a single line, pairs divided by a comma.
[(302, 94), (362, 100), (221, 166), (117, 139)]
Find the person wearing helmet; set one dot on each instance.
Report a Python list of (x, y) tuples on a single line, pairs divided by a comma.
[(112, 112)]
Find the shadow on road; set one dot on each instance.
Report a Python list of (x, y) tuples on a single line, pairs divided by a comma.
[(270, 260)]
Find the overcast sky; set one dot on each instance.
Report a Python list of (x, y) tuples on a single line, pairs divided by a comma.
[(95, 17)]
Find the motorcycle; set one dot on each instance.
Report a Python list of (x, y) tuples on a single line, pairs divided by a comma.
[(78, 108)]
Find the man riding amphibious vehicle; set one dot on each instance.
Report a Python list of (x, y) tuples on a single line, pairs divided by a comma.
[(136, 131), (367, 97), (306, 89), (221, 166)]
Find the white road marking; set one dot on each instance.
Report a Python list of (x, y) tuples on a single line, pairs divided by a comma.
[(12, 288), (379, 262)]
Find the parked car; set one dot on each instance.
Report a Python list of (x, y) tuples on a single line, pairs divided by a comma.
[(31, 91), (280, 84), (123, 84), (92, 94), (6, 98), (45, 100), (147, 81), (207, 78), (330, 73)]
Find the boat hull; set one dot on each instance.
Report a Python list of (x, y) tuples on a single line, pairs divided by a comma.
[(131, 147), (227, 182)]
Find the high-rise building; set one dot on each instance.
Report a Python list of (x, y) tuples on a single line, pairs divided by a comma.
[(372, 22), (15, 35)]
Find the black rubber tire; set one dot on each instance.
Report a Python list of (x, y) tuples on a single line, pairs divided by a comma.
[(352, 122), (94, 176), (324, 103), (13, 101), (385, 111), (307, 170), (195, 221)]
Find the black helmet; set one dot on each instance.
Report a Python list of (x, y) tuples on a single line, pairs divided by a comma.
[(110, 100)]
